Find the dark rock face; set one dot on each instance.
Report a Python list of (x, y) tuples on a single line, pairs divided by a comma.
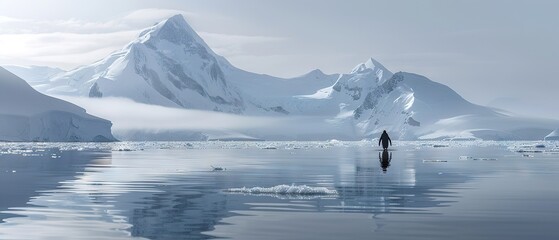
[(372, 98), (413, 122), (94, 91)]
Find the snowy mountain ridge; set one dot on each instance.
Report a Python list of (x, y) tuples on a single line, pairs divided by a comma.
[(170, 65)]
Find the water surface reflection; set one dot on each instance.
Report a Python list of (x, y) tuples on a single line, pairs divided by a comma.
[(174, 194)]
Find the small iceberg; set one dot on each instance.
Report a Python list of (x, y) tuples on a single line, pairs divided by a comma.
[(300, 190), (553, 136)]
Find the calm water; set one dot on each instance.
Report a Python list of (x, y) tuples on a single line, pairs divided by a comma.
[(481, 190)]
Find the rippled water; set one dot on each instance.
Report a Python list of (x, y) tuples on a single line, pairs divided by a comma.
[(279, 190)]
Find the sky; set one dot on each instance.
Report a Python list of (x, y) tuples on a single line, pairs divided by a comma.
[(496, 53)]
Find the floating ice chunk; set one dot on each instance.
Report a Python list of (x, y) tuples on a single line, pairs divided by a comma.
[(335, 142), (529, 150), (434, 161), (486, 159), (476, 158), (285, 190), (217, 169), (552, 136)]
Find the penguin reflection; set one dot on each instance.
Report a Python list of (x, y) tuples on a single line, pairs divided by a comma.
[(384, 160)]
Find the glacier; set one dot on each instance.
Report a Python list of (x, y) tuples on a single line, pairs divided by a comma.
[(27, 115), (170, 65)]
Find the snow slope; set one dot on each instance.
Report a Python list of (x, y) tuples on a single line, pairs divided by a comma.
[(170, 65), (34, 75), (27, 115)]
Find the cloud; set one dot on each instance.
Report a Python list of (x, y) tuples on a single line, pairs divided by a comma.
[(72, 42), (4, 19), (138, 19), (68, 43), (232, 45), (62, 49), (143, 16)]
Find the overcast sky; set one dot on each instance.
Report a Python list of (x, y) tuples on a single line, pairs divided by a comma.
[(499, 53)]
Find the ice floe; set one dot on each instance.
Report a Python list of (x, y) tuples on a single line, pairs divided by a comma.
[(434, 161), (284, 189), (218, 169), (477, 158)]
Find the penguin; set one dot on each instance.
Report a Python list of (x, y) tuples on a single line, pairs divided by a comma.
[(385, 139)]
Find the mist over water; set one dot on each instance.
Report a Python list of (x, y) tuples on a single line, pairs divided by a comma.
[(138, 121), (127, 114)]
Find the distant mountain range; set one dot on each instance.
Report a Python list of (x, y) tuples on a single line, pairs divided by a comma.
[(170, 65)]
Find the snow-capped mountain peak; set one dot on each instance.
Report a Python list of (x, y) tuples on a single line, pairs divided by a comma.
[(316, 73), (168, 64), (177, 31), (372, 65)]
